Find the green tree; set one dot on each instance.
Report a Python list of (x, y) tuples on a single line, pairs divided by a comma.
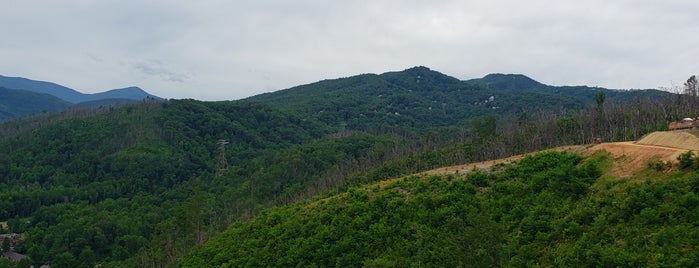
[(5, 244), (87, 258), (599, 98), (6, 263), (484, 126), (25, 263), (686, 159), (65, 259)]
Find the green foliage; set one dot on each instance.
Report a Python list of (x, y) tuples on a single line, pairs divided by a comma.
[(599, 98), (484, 127), (97, 187), (686, 159), (660, 165), (5, 245), (138, 180), (528, 216), (439, 221)]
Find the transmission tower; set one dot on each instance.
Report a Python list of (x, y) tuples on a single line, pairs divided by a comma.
[(222, 162)]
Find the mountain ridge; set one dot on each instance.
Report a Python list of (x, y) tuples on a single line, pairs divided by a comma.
[(420, 97), (18, 103), (32, 97), (72, 95)]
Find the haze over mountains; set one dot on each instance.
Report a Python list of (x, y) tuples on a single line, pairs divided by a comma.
[(22, 97)]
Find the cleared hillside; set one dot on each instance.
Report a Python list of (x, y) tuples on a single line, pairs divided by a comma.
[(629, 157), (676, 139)]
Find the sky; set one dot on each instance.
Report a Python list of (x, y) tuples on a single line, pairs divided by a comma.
[(227, 50)]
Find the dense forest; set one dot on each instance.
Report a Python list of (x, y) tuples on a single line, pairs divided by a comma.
[(143, 184), (551, 209)]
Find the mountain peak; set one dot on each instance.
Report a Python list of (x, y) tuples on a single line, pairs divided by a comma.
[(419, 69), (420, 77), (423, 71), (130, 93), (507, 81)]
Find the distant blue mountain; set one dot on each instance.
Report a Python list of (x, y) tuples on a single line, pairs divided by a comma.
[(71, 95), (21, 97), (129, 93), (19, 103)]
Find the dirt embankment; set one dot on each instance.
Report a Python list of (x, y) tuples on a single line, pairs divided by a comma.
[(628, 157), (686, 140)]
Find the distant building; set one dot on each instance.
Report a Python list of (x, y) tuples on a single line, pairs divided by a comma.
[(686, 123)]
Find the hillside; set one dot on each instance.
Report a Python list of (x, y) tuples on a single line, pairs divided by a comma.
[(419, 97), (75, 184), (660, 147), (554, 208), (19, 103)]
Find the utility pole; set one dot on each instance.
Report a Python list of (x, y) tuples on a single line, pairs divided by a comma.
[(222, 162)]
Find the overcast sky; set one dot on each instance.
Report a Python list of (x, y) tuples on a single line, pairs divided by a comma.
[(224, 50)]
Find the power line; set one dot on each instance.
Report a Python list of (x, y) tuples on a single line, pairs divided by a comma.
[(222, 162)]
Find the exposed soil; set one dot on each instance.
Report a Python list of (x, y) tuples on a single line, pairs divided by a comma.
[(675, 139), (628, 157)]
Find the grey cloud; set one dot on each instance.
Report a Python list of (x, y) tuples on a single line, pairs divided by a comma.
[(158, 69), (617, 44)]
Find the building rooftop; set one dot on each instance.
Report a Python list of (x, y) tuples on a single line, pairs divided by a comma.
[(13, 255)]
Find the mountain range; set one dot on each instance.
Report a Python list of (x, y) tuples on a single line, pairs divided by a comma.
[(398, 98), (22, 97), (421, 97), (145, 184)]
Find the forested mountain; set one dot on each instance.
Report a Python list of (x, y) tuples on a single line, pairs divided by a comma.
[(19, 103), (419, 97), (581, 94), (112, 185), (142, 184)]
